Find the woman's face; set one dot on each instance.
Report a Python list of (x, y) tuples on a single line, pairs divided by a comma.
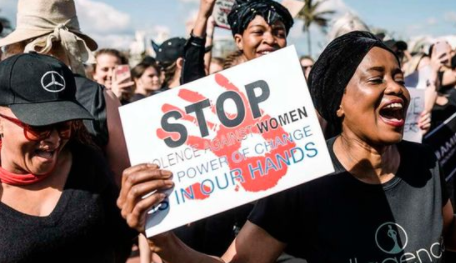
[(22, 156), (149, 80), (260, 38), (105, 68), (375, 102)]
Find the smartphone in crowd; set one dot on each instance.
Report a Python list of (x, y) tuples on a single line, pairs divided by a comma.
[(442, 53), (123, 72), (123, 75)]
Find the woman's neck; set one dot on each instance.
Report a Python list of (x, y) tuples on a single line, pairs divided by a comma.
[(368, 163)]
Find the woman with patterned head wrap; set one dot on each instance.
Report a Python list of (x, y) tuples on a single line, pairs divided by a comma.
[(385, 201), (258, 27)]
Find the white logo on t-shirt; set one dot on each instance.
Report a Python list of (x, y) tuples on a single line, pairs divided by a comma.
[(391, 238)]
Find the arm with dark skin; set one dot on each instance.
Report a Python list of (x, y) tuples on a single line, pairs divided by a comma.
[(252, 245), (449, 227)]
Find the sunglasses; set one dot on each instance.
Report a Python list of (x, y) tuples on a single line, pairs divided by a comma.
[(306, 67), (38, 133)]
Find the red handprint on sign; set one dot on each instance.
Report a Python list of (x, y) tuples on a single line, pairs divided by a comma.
[(250, 183)]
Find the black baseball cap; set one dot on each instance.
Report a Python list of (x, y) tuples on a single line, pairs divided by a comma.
[(170, 50), (399, 44), (39, 89)]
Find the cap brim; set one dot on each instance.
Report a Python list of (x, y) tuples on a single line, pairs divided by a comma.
[(401, 45), (20, 35), (46, 113)]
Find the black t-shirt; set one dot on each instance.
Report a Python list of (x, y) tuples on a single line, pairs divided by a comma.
[(85, 226), (440, 113), (137, 96), (90, 95), (337, 218)]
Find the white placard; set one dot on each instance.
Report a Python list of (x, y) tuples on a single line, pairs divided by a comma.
[(411, 130), (220, 13), (229, 138)]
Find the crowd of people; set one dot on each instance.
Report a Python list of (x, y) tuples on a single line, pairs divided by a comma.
[(69, 194)]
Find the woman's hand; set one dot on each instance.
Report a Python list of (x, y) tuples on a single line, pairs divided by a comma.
[(135, 199), (123, 87), (206, 7), (424, 123)]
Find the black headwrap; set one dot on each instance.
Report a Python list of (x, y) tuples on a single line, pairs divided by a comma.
[(244, 11), (333, 70)]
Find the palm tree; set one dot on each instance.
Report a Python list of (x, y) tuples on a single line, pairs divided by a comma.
[(309, 14)]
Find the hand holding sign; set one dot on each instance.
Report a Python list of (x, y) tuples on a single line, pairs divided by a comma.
[(135, 198), (229, 139)]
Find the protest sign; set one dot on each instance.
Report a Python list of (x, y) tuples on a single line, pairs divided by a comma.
[(220, 13), (229, 138), (412, 131), (443, 141)]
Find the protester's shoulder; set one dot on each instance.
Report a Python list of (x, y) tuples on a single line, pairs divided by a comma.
[(137, 97), (86, 152), (338, 168), (82, 81), (90, 167)]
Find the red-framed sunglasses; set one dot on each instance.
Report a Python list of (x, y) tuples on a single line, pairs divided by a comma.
[(38, 133)]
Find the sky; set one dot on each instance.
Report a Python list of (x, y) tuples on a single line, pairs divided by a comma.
[(113, 23)]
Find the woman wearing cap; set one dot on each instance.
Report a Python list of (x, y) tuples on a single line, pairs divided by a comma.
[(57, 197), (52, 27), (169, 57), (386, 201)]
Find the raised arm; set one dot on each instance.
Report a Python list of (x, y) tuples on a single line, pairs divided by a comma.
[(193, 67)]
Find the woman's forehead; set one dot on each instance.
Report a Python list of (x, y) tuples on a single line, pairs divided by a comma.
[(260, 21), (378, 57)]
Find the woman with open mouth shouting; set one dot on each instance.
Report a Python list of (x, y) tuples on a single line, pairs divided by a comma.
[(386, 200), (57, 197)]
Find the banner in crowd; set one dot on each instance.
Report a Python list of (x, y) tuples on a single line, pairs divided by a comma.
[(229, 138), (443, 141), (220, 13), (412, 131)]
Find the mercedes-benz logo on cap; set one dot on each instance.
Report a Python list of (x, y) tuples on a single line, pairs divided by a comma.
[(52, 81)]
